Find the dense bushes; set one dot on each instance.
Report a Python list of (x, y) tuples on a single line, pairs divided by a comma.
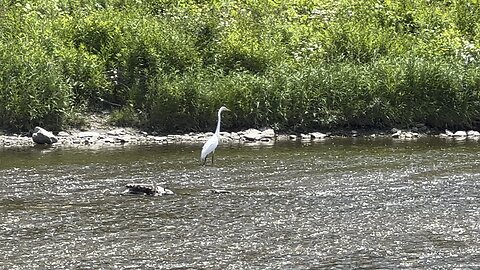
[(32, 90), (293, 65)]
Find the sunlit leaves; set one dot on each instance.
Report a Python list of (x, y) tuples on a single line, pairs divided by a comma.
[(293, 64)]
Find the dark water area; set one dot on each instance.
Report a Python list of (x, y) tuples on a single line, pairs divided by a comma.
[(337, 204)]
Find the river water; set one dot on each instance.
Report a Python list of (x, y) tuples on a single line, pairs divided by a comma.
[(339, 203)]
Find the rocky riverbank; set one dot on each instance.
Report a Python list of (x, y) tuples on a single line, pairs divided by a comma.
[(127, 136), (100, 134)]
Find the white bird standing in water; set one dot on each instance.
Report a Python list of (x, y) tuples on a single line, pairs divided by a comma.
[(212, 143)]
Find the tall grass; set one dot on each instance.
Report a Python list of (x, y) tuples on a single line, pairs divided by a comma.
[(292, 65)]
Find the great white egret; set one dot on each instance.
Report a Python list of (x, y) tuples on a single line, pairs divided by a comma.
[(212, 143)]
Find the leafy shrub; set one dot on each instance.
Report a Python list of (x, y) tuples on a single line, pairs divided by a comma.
[(32, 89), (171, 104), (125, 117), (292, 65)]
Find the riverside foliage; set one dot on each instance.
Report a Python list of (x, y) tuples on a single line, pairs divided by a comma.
[(295, 65)]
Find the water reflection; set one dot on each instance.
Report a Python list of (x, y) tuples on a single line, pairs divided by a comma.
[(337, 203)]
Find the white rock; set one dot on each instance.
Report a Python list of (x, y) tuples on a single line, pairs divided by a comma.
[(116, 132), (160, 138), (252, 134), (88, 134), (460, 133), (252, 137), (473, 133), (234, 136), (173, 137), (397, 134), (268, 133), (63, 134), (42, 136), (251, 131), (108, 140), (317, 135)]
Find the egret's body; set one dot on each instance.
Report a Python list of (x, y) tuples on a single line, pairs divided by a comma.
[(212, 143)]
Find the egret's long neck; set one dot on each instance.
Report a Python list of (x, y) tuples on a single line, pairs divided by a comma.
[(217, 131)]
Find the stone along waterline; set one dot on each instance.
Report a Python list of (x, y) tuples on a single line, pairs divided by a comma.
[(111, 137)]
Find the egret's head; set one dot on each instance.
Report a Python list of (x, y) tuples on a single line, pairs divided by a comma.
[(223, 108)]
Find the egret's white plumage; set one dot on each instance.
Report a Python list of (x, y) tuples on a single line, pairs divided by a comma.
[(212, 143)]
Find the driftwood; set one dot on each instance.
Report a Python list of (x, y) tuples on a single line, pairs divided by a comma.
[(147, 189)]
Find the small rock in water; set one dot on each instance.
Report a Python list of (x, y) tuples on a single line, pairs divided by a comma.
[(147, 189), (220, 191)]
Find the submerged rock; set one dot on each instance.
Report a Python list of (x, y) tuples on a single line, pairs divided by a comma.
[(220, 191), (147, 189)]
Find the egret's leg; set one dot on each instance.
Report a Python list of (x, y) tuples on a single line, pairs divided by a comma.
[(212, 156)]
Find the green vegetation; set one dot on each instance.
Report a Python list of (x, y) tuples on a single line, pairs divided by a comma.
[(293, 65)]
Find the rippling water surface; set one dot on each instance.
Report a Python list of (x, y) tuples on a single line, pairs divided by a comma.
[(341, 203)]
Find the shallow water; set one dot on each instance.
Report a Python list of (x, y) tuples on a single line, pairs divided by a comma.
[(340, 203)]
